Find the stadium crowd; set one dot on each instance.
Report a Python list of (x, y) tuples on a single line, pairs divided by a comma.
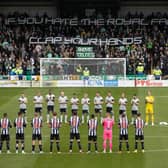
[(18, 56)]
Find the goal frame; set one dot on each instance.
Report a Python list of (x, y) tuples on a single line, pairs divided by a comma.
[(42, 60)]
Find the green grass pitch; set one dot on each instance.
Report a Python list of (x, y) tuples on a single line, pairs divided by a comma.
[(156, 138)]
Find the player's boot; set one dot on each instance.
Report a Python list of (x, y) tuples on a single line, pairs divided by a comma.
[(96, 151), (104, 151), (8, 152), (110, 151), (23, 152), (0, 152), (128, 151), (119, 151), (135, 151), (41, 152), (88, 152), (146, 123), (16, 151), (80, 151), (59, 152), (70, 151), (153, 124), (143, 150), (33, 152)]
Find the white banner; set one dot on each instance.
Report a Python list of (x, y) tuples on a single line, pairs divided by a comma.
[(84, 21), (90, 41), (70, 83), (126, 83), (16, 83), (80, 83)]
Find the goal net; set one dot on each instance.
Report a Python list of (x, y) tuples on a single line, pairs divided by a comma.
[(70, 71)]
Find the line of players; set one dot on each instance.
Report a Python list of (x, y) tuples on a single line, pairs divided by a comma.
[(98, 101), (74, 122)]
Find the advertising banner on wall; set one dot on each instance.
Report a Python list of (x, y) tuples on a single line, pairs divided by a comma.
[(151, 83)]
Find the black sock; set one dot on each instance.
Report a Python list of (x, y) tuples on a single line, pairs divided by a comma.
[(127, 145), (22, 145), (40, 147), (1, 145), (58, 147), (142, 144), (79, 145), (89, 146), (7, 145), (96, 146), (136, 145), (17, 145), (120, 146), (70, 146), (51, 146), (33, 147)]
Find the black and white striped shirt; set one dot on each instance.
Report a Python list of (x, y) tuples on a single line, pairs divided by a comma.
[(5, 124), (74, 124), (92, 125), (20, 124), (139, 125), (55, 125), (36, 125), (123, 124)]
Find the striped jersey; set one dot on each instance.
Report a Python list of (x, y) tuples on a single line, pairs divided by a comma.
[(20, 124), (5, 124), (36, 125), (92, 126), (139, 125), (109, 101), (85, 103), (55, 125), (50, 98), (63, 102), (123, 125), (98, 102), (135, 102), (74, 124), (22, 100)]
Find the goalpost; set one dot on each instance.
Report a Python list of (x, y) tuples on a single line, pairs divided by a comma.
[(54, 71)]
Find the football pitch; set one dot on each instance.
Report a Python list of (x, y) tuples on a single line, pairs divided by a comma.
[(156, 137)]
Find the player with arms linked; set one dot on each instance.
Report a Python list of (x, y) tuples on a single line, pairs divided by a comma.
[(108, 124), (92, 133), (5, 124), (139, 132), (74, 123), (20, 124), (36, 132), (54, 124)]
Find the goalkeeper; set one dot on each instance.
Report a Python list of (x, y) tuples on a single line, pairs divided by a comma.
[(86, 74)]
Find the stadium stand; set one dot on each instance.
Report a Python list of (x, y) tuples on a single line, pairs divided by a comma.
[(16, 52)]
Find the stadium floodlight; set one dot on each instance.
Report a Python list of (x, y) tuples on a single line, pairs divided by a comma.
[(53, 70)]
